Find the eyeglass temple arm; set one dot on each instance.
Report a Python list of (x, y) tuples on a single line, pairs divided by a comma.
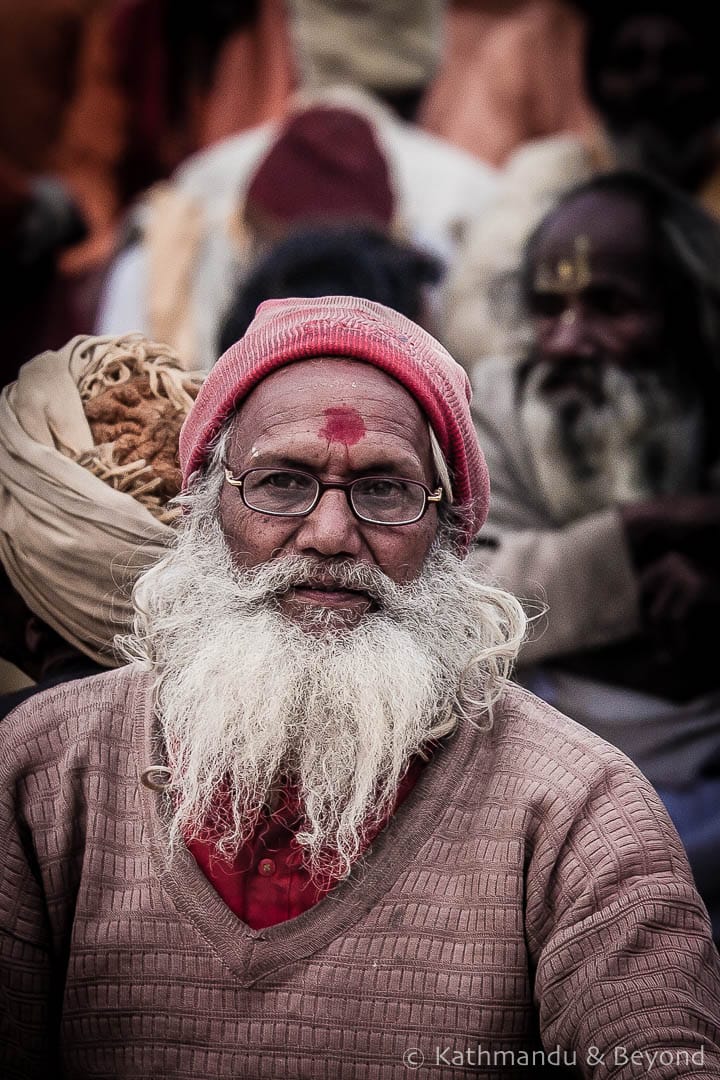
[(231, 479), (436, 496)]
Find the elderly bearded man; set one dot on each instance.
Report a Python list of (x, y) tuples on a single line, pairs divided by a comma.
[(314, 831), (603, 448)]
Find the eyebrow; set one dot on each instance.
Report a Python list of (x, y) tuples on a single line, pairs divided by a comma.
[(380, 467)]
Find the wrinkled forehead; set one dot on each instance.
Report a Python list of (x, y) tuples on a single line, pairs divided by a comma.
[(336, 400), (344, 379), (612, 229)]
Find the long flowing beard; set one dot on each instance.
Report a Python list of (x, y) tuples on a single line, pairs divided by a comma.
[(607, 438), (246, 695)]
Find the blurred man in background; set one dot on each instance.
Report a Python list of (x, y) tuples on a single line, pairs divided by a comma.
[(651, 75), (603, 445)]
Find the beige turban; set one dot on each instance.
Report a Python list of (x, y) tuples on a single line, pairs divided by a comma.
[(390, 46), (88, 460)]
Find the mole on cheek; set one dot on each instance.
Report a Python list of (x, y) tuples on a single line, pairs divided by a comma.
[(342, 425)]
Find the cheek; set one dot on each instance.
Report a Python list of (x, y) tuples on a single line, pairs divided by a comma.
[(636, 335), (233, 523), (251, 537), (401, 553)]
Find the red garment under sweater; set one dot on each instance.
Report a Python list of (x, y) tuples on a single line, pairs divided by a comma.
[(266, 883)]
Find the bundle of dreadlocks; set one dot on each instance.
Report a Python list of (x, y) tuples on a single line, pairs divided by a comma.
[(135, 398)]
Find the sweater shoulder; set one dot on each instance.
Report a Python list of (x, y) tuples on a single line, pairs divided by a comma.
[(559, 760), (51, 725), (597, 837)]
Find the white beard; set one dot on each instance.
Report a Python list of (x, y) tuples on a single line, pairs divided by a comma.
[(626, 441), (246, 696)]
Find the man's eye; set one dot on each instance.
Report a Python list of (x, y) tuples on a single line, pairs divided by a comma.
[(547, 305), (284, 481), (610, 302), (381, 488)]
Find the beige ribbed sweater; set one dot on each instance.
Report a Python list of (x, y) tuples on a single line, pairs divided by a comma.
[(530, 892)]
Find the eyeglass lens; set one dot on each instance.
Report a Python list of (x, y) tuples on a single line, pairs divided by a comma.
[(386, 500)]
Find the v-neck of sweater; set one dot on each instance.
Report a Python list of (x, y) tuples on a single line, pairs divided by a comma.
[(253, 955)]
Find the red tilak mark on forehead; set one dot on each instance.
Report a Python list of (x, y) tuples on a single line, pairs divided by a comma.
[(342, 425)]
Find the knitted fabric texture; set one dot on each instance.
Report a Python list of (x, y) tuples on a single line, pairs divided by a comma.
[(325, 164), (284, 331), (531, 887)]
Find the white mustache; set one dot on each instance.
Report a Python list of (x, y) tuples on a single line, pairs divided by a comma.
[(263, 585), (278, 577)]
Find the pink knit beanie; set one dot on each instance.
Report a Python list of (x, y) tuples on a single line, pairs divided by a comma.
[(284, 331)]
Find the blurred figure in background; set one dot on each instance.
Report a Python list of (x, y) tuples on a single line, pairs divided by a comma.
[(156, 82), (39, 220), (484, 75), (101, 99), (202, 233), (650, 73), (345, 260), (603, 447), (511, 72), (88, 462), (165, 55), (391, 49), (137, 86), (40, 215), (344, 159)]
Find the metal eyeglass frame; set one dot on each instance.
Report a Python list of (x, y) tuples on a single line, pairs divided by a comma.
[(345, 485)]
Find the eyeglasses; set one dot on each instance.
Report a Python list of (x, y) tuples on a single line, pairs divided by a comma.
[(377, 500)]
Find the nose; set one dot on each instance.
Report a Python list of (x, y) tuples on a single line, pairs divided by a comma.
[(566, 336), (331, 529)]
